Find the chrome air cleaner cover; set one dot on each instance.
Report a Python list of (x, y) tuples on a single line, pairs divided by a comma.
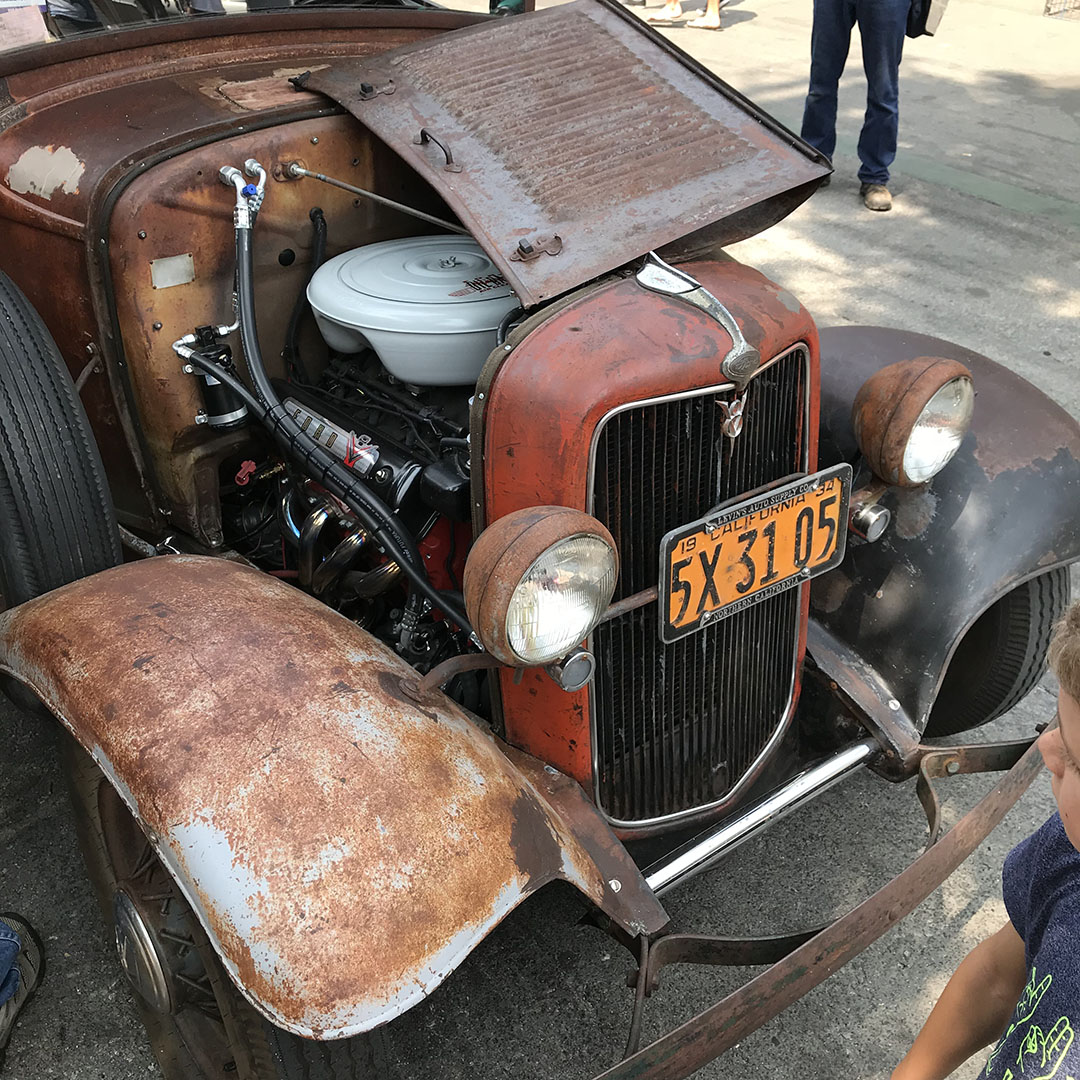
[(428, 305)]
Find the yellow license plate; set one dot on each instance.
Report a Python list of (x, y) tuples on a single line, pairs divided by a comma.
[(742, 554)]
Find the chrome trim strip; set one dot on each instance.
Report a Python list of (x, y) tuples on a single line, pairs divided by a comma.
[(785, 717), (701, 852)]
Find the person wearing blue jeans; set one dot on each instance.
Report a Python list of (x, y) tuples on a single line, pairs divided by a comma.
[(22, 963), (881, 26)]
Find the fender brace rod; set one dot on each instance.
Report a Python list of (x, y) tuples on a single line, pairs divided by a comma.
[(700, 1040)]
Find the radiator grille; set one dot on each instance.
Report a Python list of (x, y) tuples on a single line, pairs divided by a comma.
[(676, 727)]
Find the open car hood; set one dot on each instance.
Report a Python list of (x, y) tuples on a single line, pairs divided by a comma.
[(572, 140)]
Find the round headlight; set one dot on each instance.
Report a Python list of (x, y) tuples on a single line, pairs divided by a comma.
[(537, 582), (560, 598), (939, 430), (911, 417)]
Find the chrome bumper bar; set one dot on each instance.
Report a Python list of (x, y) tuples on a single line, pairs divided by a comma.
[(704, 849)]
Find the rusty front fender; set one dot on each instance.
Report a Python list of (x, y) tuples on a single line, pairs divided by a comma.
[(344, 846)]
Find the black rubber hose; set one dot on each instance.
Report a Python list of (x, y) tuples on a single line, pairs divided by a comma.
[(506, 322), (314, 459), (292, 333), (344, 492)]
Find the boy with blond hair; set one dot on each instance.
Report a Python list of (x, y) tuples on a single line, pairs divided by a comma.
[(1021, 985)]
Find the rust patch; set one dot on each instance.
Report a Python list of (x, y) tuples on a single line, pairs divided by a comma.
[(700, 158), (296, 816), (269, 92)]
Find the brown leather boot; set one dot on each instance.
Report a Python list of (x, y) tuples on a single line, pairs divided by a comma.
[(875, 196)]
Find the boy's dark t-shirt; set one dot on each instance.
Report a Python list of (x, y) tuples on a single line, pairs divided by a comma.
[(1041, 880)]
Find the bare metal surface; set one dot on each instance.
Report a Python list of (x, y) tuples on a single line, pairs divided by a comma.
[(499, 97), (301, 801)]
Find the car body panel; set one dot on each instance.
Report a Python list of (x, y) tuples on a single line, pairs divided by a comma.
[(962, 541), (344, 844), (602, 348), (203, 82)]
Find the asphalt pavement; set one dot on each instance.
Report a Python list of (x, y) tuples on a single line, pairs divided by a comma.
[(981, 248)]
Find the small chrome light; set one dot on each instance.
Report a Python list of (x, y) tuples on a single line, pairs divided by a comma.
[(870, 522), (537, 582), (574, 672), (911, 417)]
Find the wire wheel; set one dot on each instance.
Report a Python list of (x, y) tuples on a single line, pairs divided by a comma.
[(200, 1026)]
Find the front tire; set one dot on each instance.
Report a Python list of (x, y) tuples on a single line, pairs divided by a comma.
[(199, 1025), (1001, 657)]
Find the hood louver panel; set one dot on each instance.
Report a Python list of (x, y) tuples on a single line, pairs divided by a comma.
[(574, 139)]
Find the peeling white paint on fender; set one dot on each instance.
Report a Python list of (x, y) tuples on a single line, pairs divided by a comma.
[(296, 796), (44, 170)]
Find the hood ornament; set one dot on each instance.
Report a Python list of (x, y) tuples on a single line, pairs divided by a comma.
[(742, 359), (732, 412)]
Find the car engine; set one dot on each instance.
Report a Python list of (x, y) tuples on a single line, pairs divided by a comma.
[(408, 325)]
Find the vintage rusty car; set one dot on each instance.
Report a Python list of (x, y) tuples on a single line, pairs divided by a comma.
[(405, 502)]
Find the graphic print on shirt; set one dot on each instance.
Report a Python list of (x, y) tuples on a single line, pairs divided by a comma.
[(1042, 1049)]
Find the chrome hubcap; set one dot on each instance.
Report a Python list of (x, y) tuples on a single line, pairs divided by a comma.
[(140, 956)]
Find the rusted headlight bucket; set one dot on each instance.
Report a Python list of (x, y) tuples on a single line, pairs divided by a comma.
[(537, 582), (911, 417)]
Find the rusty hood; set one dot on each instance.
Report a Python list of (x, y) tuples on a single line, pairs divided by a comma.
[(344, 845), (572, 140)]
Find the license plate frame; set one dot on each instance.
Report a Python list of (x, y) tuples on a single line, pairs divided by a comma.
[(694, 595)]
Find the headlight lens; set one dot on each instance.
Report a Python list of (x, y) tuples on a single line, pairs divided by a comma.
[(939, 430), (910, 418), (560, 597), (537, 581)]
